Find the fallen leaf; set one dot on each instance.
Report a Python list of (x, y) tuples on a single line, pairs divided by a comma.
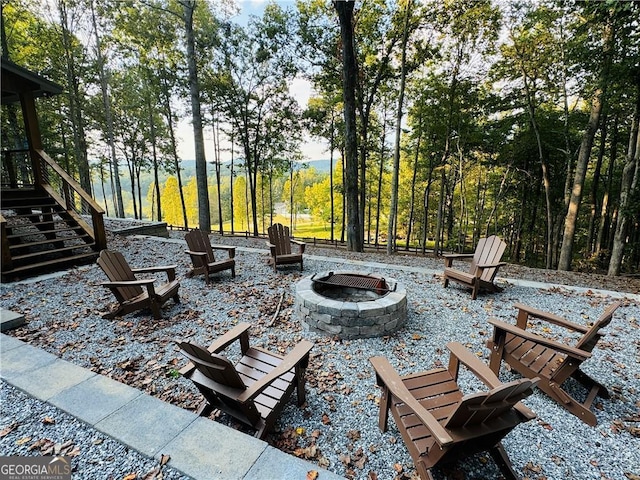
[(312, 475), (8, 429)]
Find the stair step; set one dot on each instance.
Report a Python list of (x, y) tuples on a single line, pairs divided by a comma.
[(42, 232), (37, 206), (26, 256), (45, 242), (32, 214), (46, 222), (26, 201), (49, 263)]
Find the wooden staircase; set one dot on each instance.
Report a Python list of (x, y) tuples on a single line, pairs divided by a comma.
[(40, 235)]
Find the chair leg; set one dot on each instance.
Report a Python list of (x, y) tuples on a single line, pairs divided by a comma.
[(476, 288), (591, 384), (499, 455), (565, 400), (423, 472), (233, 272), (446, 282), (155, 309), (385, 404), (300, 381)]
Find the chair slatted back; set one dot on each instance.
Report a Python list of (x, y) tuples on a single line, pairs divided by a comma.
[(115, 266), (279, 236), (215, 367), (487, 407), (488, 251), (198, 241), (591, 337)]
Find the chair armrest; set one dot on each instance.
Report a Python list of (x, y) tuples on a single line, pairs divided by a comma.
[(128, 283), (237, 332), (454, 256), (549, 317), (292, 359), (164, 268), (450, 257), (474, 364), (230, 250), (491, 265), (302, 245), (389, 378), (525, 335), (170, 270), (196, 254)]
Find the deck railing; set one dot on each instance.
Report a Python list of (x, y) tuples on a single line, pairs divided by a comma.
[(43, 172), (68, 193)]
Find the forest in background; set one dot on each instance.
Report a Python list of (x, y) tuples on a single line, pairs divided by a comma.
[(473, 117)]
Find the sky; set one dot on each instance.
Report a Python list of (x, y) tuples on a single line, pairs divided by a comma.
[(300, 89)]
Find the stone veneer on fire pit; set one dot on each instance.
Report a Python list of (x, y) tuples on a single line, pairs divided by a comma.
[(368, 315)]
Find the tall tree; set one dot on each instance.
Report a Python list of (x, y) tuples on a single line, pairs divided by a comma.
[(628, 189), (349, 74), (68, 10), (104, 76), (392, 228), (599, 95), (204, 215)]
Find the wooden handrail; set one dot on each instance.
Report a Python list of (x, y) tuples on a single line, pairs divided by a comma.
[(97, 213), (70, 181)]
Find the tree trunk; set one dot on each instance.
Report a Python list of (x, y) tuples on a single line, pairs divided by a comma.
[(204, 216), (349, 72), (437, 249), (218, 165), (231, 187), (627, 189), (168, 113), (331, 149), (595, 184), (103, 73), (571, 220), (75, 102), (383, 136), (605, 213), (154, 156), (393, 209)]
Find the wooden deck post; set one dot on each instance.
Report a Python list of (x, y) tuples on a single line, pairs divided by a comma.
[(32, 129)]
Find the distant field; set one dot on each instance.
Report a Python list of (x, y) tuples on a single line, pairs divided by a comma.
[(302, 228)]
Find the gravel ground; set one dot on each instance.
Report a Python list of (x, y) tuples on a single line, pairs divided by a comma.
[(337, 428)]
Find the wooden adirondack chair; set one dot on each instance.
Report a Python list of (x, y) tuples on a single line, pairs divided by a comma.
[(129, 291), (439, 424), (533, 355), (483, 268), (202, 256), (254, 390), (280, 247)]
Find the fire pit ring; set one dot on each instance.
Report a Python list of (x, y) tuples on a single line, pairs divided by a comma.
[(351, 304)]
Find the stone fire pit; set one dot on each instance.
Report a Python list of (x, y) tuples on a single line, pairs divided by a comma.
[(378, 308)]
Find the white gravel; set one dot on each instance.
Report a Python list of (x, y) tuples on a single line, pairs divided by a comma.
[(341, 415)]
